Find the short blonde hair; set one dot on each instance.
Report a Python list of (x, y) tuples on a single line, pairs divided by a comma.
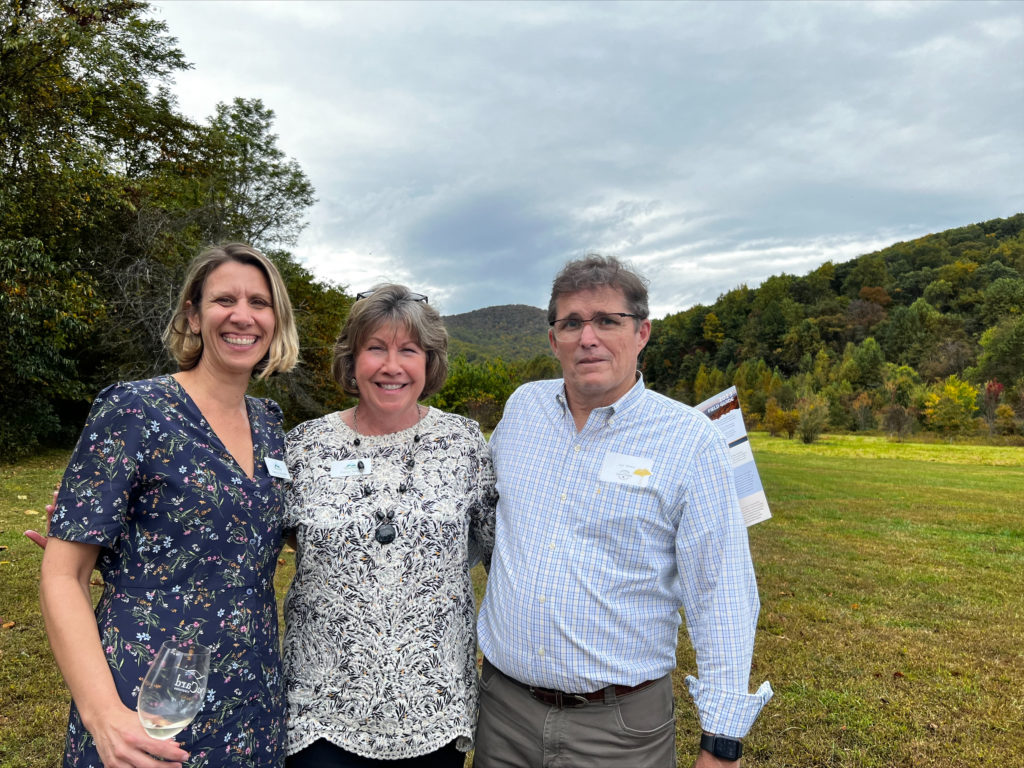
[(187, 347), (392, 304)]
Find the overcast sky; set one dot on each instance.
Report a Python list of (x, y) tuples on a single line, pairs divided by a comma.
[(468, 149)]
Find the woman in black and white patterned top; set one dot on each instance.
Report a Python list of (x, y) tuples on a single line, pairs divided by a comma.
[(390, 503)]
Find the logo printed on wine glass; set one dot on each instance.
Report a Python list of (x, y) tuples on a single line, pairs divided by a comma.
[(190, 681)]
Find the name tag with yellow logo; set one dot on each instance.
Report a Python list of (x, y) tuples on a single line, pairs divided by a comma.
[(626, 470)]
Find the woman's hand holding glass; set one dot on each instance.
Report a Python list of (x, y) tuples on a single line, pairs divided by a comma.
[(174, 688)]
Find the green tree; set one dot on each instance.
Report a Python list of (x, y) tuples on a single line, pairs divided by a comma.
[(539, 367), (752, 381), (911, 333), (864, 365), (198, 196), (320, 309), (477, 390), (48, 307), (251, 191), (868, 271), (712, 327), (1002, 298), (83, 111), (1002, 351), (82, 103), (772, 313)]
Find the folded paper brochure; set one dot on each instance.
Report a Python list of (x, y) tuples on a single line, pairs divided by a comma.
[(724, 411)]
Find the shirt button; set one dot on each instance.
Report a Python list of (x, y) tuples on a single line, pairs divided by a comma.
[(543, 599), (576, 448), (540, 652), (564, 496)]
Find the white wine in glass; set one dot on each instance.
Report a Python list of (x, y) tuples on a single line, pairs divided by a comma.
[(175, 686)]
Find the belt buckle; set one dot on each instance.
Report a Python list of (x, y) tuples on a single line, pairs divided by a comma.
[(557, 699)]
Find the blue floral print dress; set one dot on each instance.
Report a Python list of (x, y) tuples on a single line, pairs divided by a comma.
[(189, 545)]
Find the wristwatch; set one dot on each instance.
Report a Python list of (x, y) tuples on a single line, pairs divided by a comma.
[(722, 747)]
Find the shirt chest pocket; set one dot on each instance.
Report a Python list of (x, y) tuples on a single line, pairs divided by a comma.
[(626, 520)]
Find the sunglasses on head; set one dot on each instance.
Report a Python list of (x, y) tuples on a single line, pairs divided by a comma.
[(411, 296)]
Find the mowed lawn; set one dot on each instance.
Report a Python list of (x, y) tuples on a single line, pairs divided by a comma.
[(892, 620)]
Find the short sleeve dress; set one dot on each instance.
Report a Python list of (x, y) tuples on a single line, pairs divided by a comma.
[(189, 545)]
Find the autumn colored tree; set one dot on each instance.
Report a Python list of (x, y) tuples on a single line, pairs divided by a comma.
[(863, 412), (709, 381), (950, 407), (1005, 421), (778, 420), (812, 418), (992, 394)]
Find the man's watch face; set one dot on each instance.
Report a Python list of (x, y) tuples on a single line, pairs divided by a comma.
[(722, 747), (728, 749)]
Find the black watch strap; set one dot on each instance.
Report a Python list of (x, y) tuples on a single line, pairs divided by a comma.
[(722, 747)]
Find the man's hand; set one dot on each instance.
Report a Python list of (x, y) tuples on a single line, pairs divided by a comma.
[(706, 760), (37, 537)]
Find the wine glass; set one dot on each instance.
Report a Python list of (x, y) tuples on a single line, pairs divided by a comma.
[(174, 688)]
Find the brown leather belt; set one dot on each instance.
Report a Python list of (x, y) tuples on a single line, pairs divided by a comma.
[(561, 699)]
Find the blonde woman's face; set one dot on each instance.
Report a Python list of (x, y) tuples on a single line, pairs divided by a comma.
[(235, 318)]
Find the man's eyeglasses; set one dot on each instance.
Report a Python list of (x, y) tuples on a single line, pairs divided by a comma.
[(410, 296), (603, 323)]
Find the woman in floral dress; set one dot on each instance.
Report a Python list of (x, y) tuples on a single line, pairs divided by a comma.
[(175, 493)]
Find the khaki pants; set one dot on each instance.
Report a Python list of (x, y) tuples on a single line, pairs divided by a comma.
[(517, 731)]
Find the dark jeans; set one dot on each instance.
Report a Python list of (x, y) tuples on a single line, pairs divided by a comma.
[(324, 754)]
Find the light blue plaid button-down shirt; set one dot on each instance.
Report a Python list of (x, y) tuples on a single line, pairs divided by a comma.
[(593, 561)]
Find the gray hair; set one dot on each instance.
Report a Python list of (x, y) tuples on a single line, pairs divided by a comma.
[(594, 271), (187, 347), (392, 304)]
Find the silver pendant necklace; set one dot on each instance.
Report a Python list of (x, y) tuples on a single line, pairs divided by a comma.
[(387, 531)]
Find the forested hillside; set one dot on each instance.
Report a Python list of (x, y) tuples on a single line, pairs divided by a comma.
[(924, 333), (511, 332)]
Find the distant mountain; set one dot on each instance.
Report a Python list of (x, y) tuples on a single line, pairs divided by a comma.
[(511, 332)]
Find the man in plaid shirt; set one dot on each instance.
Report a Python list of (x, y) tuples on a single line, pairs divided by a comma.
[(617, 508)]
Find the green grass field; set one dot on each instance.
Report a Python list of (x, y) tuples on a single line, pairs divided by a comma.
[(892, 619)]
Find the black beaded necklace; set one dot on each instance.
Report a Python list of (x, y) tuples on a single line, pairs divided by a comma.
[(386, 528)]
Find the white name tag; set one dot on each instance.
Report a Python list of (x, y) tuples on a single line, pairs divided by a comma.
[(277, 468), (351, 467), (626, 470)]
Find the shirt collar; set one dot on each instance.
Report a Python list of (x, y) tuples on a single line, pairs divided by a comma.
[(619, 407)]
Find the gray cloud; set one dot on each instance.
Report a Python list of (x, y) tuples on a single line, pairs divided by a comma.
[(470, 148)]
